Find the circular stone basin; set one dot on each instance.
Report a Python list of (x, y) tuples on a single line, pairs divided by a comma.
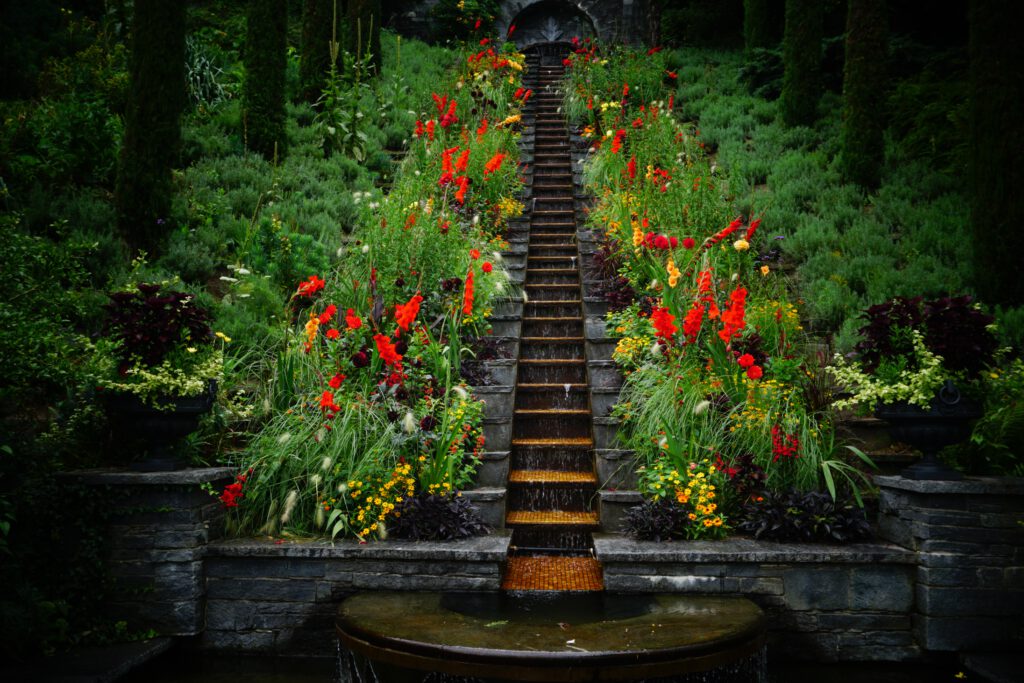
[(550, 637)]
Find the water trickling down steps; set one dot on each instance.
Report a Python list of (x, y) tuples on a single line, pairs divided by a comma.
[(551, 484)]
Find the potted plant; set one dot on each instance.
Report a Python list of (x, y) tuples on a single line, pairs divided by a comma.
[(159, 362), (919, 367)]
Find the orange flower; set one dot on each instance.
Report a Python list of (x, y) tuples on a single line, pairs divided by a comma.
[(494, 164), (406, 313), (467, 294), (474, 254), (733, 318), (327, 402), (481, 130), (462, 162)]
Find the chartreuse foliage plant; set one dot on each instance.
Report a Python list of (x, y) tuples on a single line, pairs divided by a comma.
[(371, 419), (712, 345)]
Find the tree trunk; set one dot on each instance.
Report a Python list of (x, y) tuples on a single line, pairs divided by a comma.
[(315, 58), (263, 96), (864, 79), (996, 160), (757, 25), (152, 131), (364, 17), (801, 52)]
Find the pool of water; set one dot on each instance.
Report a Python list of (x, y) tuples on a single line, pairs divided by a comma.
[(180, 667)]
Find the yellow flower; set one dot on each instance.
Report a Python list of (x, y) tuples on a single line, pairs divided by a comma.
[(741, 245), (226, 338), (673, 273), (765, 270)]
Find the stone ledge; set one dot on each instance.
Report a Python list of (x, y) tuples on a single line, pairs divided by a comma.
[(969, 485), (492, 548), (617, 548), (121, 477)]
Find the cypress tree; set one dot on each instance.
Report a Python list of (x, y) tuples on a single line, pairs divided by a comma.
[(757, 25), (863, 147), (996, 162), (801, 53), (152, 132), (263, 98), (364, 18), (315, 57)]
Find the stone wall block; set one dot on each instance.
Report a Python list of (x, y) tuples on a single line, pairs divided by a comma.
[(817, 588), (881, 589)]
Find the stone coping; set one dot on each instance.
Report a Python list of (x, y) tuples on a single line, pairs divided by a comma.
[(1013, 486), (121, 477), (491, 548), (618, 548)]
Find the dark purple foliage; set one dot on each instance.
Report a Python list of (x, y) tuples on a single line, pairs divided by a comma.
[(426, 517), (807, 517), (656, 520), (151, 322)]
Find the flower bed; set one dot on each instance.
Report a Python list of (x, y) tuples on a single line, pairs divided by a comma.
[(720, 400), (371, 417)]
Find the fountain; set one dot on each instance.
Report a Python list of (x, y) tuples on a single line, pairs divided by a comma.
[(470, 637)]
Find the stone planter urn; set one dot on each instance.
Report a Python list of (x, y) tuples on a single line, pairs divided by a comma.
[(159, 431), (946, 421)]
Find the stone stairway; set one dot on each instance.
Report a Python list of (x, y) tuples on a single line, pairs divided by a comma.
[(552, 486)]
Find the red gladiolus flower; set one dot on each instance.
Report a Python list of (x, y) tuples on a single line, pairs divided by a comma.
[(625, 90), (418, 133), (486, 267), (518, 93), (462, 161), (460, 194), (745, 361), (752, 229), (620, 135), (352, 321), (446, 159), (430, 130), (311, 286), (332, 333), (467, 294), (689, 243), (449, 118), (704, 282), (406, 313), (692, 322), (410, 221), (335, 382), (733, 319), (638, 122), (483, 41), (663, 320), (386, 350), (481, 130), (527, 95), (721, 235), (631, 167), (440, 102)]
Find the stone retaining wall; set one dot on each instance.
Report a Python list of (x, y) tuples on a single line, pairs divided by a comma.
[(949, 578), (824, 603)]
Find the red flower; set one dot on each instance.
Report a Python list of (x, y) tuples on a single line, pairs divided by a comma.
[(483, 41), (311, 286), (486, 267), (631, 167), (233, 492), (353, 321), (335, 382), (663, 320), (418, 133), (511, 30), (449, 118), (784, 446), (430, 130), (654, 50), (672, 74), (494, 164), (721, 235), (518, 93), (460, 194), (462, 162), (474, 254), (328, 313), (661, 242), (752, 229), (386, 350), (733, 319), (332, 333), (689, 243), (754, 372), (327, 402), (481, 130), (745, 361), (620, 135), (692, 322), (467, 294), (406, 313)]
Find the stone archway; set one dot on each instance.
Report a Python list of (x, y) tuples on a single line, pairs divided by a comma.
[(546, 21)]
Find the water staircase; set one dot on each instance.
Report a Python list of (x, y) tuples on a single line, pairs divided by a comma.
[(552, 486)]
